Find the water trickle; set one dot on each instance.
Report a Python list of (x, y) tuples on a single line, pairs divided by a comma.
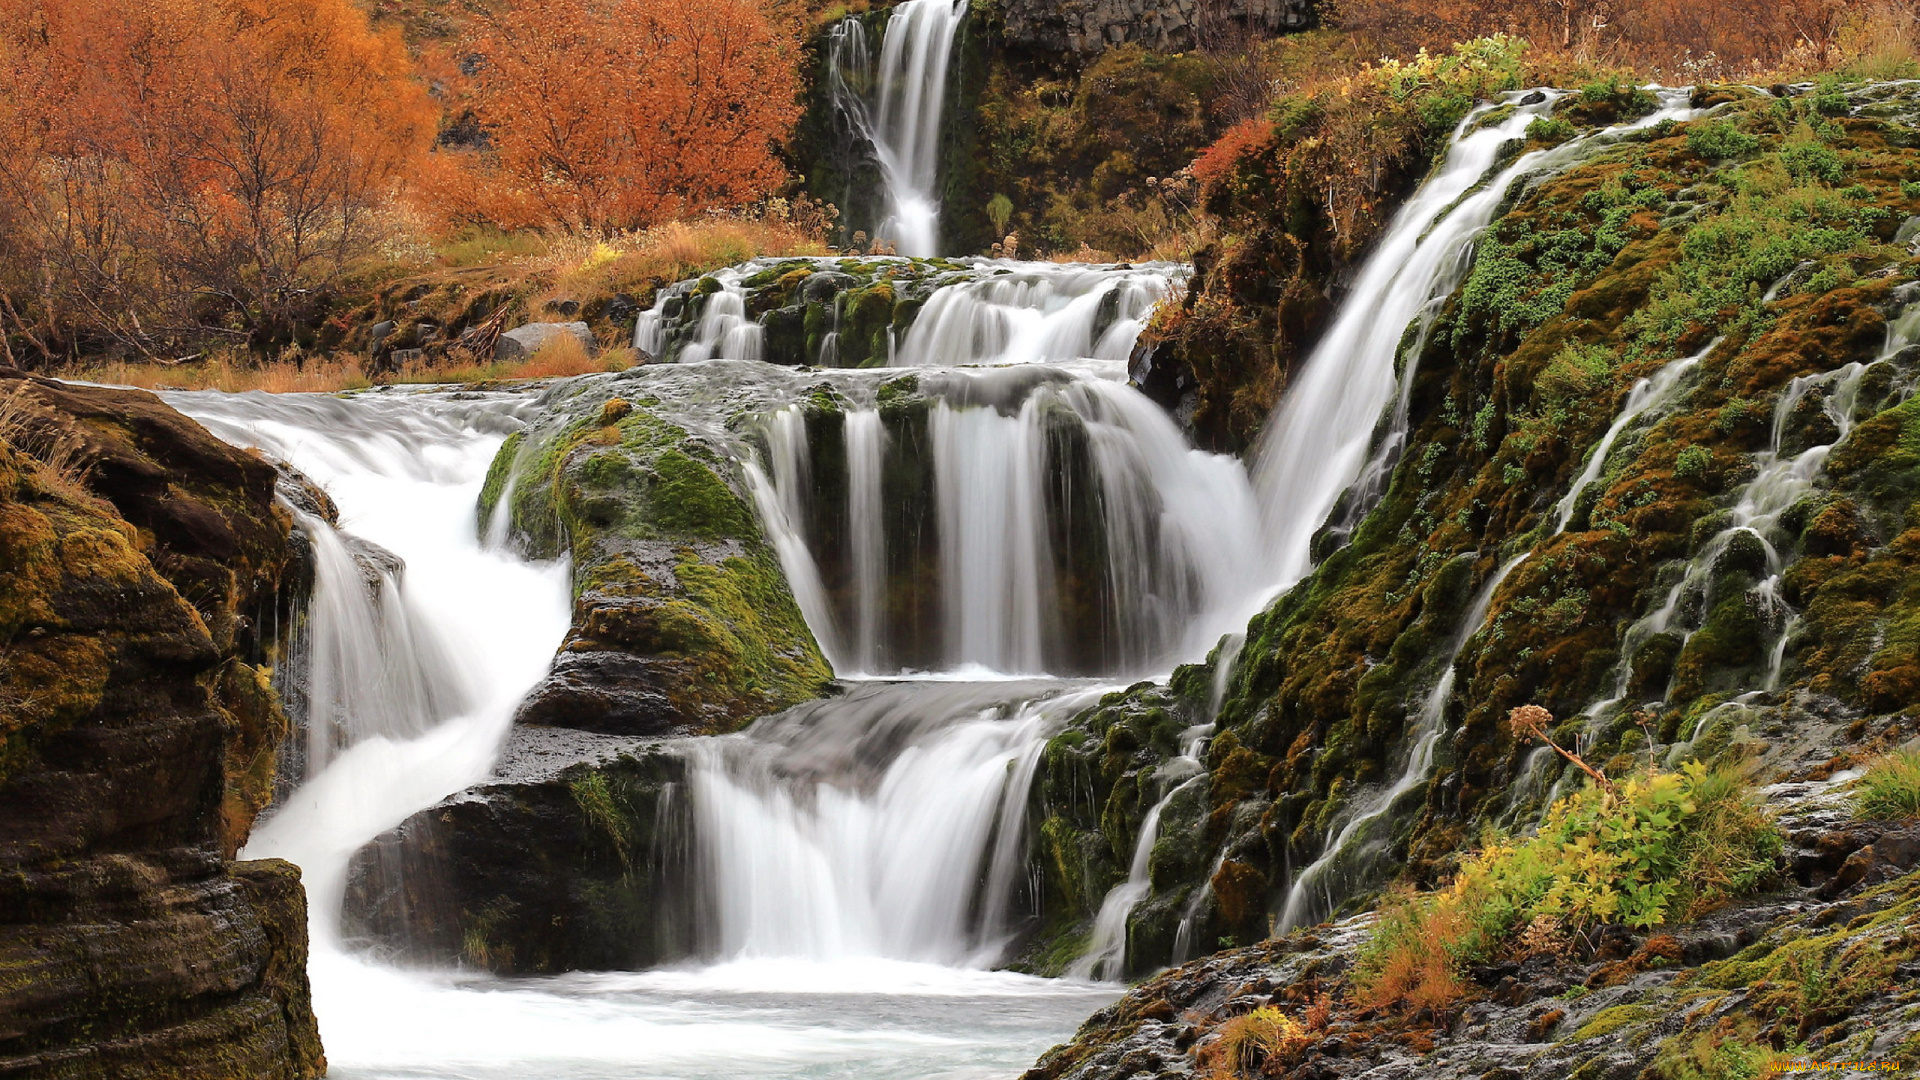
[(1106, 955), (1649, 396), (1316, 890), (1780, 480)]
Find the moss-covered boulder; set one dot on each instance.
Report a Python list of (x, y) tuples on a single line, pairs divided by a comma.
[(683, 618), (576, 855)]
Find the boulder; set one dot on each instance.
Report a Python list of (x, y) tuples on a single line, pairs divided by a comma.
[(521, 342), (140, 561)]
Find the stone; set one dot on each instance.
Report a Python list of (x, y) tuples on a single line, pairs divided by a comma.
[(1087, 27), (138, 738), (521, 342)]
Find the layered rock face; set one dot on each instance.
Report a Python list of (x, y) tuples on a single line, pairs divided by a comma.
[(1086, 27), (141, 572)]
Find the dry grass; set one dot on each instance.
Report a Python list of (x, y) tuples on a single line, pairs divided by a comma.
[(592, 267), (558, 358), (60, 459), (1247, 1041)]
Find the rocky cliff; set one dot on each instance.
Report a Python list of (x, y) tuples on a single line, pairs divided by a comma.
[(1723, 586), (142, 565), (1087, 27)]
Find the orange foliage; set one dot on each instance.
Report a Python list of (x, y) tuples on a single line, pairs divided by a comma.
[(201, 162), (619, 114)]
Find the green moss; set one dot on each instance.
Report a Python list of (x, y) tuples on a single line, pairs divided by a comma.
[(1608, 1021)]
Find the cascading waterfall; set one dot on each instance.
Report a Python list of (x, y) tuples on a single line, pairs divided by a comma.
[(1028, 313), (1317, 444), (977, 311), (1168, 536), (1337, 432), (903, 125), (851, 836), (889, 824), (411, 675)]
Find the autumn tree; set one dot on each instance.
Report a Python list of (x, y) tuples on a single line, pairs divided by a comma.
[(626, 113), (192, 169)]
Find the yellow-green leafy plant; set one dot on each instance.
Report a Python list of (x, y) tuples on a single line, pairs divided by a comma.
[(1657, 847)]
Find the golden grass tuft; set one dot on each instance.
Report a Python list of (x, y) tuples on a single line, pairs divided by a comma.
[(59, 458)]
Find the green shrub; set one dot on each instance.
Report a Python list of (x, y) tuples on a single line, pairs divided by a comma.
[(1576, 371), (1811, 160), (1692, 462), (1663, 845), (1550, 129), (1829, 99), (1891, 787), (1910, 189), (1718, 139)]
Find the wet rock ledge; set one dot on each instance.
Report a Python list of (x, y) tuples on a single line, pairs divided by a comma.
[(140, 559)]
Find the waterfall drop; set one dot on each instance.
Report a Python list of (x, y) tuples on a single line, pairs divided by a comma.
[(903, 124)]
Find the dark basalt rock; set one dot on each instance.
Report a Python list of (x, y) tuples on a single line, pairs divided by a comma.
[(613, 693), (137, 739), (577, 854)]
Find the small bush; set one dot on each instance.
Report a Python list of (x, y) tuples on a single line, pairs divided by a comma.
[(1718, 139), (1829, 99), (1549, 129), (1891, 787), (1811, 160), (1692, 462), (1660, 846), (1576, 371), (1248, 1040)]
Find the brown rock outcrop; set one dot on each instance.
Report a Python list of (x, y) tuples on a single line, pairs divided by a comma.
[(140, 558)]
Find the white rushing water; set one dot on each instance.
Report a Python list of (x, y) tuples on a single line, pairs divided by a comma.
[(979, 312), (414, 674), (1328, 426), (1009, 312), (1171, 541), (903, 125), (869, 849)]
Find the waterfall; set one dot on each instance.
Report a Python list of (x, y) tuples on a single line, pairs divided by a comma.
[(1027, 313), (976, 312), (411, 673), (904, 124), (1072, 530), (887, 824), (1318, 441), (1311, 897)]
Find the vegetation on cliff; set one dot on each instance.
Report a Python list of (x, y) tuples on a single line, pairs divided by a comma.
[(1771, 227)]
